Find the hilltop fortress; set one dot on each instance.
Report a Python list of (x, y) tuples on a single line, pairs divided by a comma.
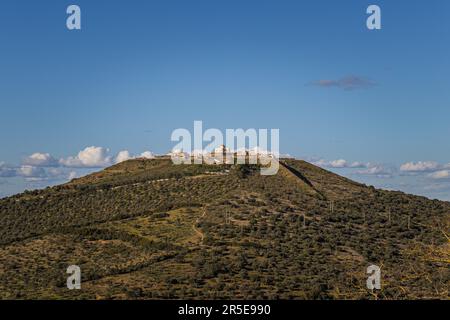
[(223, 155)]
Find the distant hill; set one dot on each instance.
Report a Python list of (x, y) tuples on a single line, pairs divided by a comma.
[(148, 229)]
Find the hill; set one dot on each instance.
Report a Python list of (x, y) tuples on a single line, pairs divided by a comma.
[(147, 229)]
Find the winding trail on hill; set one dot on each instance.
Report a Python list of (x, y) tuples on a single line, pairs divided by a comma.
[(197, 230)]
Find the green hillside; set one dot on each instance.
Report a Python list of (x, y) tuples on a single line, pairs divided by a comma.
[(147, 229)]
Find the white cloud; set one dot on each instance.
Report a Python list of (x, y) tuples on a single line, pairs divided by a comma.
[(27, 171), (358, 164), (91, 157), (123, 156), (320, 163), (366, 168), (376, 170), (421, 166), (72, 175), (56, 173), (40, 160), (39, 169), (147, 155), (6, 171), (30, 173), (442, 174), (340, 163)]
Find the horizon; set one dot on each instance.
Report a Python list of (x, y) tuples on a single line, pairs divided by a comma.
[(370, 105)]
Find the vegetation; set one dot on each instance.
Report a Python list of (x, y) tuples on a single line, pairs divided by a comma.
[(147, 229)]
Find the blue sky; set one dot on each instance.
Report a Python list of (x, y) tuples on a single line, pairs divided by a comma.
[(140, 69)]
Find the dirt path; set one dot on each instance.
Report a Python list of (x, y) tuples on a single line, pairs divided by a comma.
[(198, 231)]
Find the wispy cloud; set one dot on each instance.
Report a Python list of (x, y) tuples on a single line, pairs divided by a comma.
[(32, 173), (339, 163), (350, 82), (27, 171), (126, 155), (40, 160), (378, 171), (427, 178), (421, 166), (6, 171), (366, 169), (90, 157), (431, 169), (40, 166), (440, 175), (99, 157)]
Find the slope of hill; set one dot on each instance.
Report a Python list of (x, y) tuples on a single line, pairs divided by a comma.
[(147, 229)]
